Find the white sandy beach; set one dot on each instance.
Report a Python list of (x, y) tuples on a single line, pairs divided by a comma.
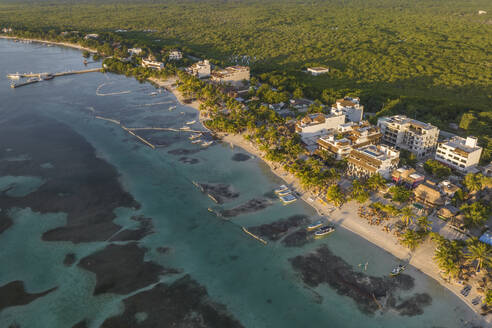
[(63, 44)]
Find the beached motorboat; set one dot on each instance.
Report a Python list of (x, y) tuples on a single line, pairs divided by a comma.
[(280, 189), (207, 143), (324, 231), (190, 122), (287, 199), (399, 269), (314, 225), (285, 192), (195, 136), (196, 141)]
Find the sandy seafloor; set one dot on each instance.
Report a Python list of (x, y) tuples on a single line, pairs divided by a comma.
[(98, 229)]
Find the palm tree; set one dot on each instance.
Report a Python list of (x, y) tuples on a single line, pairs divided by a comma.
[(376, 182), (424, 223), (410, 239), (473, 182), (406, 215), (479, 252)]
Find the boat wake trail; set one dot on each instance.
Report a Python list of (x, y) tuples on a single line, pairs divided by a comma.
[(98, 93)]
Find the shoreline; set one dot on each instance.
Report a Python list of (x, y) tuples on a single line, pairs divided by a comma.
[(347, 217), (62, 44)]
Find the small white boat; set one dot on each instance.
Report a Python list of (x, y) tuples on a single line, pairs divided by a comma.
[(185, 128), (190, 122), (315, 225), (324, 231), (285, 192), (287, 199), (172, 108), (399, 269), (15, 76), (281, 189), (153, 93), (207, 143), (197, 141), (194, 136)]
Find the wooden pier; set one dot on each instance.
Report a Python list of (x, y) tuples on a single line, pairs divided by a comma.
[(39, 77)]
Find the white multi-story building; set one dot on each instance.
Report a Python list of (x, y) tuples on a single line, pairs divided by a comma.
[(404, 133), (350, 136), (175, 55), (233, 75), (314, 125), (459, 153), (371, 159), (148, 63), (350, 107), (135, 51), (201, 69), (91, 36)]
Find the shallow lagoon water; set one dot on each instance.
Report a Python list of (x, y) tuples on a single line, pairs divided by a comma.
[(255, 282)]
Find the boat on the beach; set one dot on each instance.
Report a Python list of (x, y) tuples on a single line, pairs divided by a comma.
[(195, 136), (324, 231), (287, 199), (190, 122), (196, 141), (285, 192), (314, 225), (399, 269), (280, 189), (207, 143)]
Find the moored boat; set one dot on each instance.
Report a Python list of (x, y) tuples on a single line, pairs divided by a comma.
[(196, 141), (195, 136), (324, 231), (399, 269), (172, 108), (314, 225), (190, 122), (280, 189), (185, 128), (287, 199), (285, 192), (207, 143)]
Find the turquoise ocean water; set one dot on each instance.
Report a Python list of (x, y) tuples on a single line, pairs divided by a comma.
[(255, 282)]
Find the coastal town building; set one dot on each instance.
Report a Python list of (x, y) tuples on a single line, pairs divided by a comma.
[(371, 159), (317, 70), (7, 30), (350, 136), (459, 153), (135, 51), (233, 75), (428, 193), (350, 107), (407, 176), (175, 55), (91, 36), (412, 135), (148, 63), (313, 125), (201, 69), (301, 105)]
